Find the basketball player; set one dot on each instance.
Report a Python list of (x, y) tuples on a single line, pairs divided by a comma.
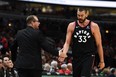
[(85, 36)]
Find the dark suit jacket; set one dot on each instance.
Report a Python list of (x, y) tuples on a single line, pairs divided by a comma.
[(1, 72), (30, 42)]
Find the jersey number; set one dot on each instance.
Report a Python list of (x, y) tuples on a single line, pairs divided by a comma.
[(82, 39)]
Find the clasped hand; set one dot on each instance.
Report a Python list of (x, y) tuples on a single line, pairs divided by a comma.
[(62, 55)]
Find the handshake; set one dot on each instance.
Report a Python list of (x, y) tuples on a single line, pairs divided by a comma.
[(62, 55)]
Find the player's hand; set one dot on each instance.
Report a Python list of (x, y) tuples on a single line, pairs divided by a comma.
[(101, 65), (62, 56), (61, 59)]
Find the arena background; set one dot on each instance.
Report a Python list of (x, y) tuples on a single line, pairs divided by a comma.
[(54, 20)]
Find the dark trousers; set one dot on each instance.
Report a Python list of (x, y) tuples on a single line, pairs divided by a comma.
[(82, 68), (29, 73)]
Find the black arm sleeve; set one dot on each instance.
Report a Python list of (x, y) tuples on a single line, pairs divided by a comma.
[(48, 44)]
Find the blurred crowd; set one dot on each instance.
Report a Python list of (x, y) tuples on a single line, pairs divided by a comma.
[(6, 67)]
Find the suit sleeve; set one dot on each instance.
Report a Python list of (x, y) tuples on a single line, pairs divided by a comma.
[(48, 44)]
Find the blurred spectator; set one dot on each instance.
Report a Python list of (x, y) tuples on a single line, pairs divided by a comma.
[(64, 70), (5, 61), (1, 68), (106, 71), (8, 69), (69, 66), (46, 68), (5, 64), (3, 45), (11, 72), (113, 73), (54, 67)]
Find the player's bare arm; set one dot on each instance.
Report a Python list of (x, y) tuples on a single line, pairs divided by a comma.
[(70, 30), (96, 32)]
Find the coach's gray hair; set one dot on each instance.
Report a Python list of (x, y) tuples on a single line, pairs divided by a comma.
[(30, 18)]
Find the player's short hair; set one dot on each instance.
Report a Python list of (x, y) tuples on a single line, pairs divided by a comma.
[(83, 9)]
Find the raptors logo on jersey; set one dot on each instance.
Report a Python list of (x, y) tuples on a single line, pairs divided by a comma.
[(82, 35)]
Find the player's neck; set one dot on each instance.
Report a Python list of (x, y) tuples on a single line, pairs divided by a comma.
[(85, 23)]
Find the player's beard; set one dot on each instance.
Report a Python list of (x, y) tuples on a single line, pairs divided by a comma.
[(82, 20)]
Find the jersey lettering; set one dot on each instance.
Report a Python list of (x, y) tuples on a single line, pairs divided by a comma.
[(82, 36)]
